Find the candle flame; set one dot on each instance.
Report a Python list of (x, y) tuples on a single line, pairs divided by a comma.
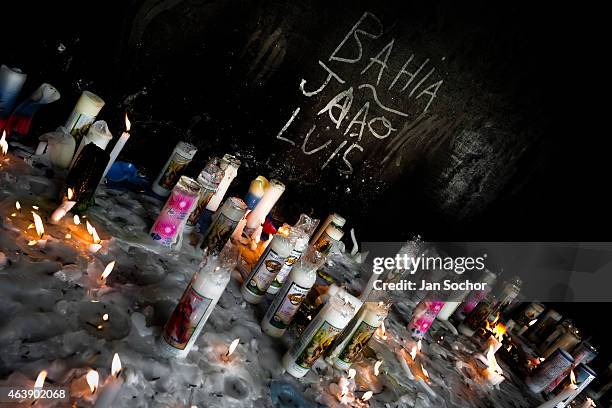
[(351, 373), (232, 347), (425, 373), (105, 317), (531, 323), (572, 378), (40, 229), (92, 380), (419, 345), (76, 219), (68, 236), (40, 380), (96, 238), (381, 333), (116, 366), (367, 396), (70, 194), (17, 205), (492, 362), (107, 270), (89, 227), (343, 383), (499, 331), (377, 367), (413, 353), (128, 124), (3, 143)]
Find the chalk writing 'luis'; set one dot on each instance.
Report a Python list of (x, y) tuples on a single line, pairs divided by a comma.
[(374, 118)]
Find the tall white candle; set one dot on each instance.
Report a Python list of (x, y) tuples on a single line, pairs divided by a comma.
[(294, 291), (197, 303), (270, 263), (125, 136), (318, 336), (566, 393), (256, 217), (230, 165)]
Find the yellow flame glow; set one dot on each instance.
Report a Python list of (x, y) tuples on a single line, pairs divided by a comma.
[(3, 143), (92, 380), (116, 366), (367, 396), (40, 380), (377, 367), (128, 124), (40, 229), (107, 270), (232, 347)]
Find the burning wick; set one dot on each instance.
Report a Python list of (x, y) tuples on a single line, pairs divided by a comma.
[(351, 373), (92, 380), (116, 366), (107, 270), (3, 143), (367, 396), (377, 367), (231, 349), (18, 206), (61, 211), (40, 230), (95, 247)]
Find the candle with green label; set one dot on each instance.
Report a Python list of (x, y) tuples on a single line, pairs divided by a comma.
[(318, 336)]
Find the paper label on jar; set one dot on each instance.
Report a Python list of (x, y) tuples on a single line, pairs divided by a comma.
[(186, 318), (205, 197), (287, 266), (322, 339), (264, 273), (292, 299), (78, 124), (171, 218), (173, 171), (360, 338)]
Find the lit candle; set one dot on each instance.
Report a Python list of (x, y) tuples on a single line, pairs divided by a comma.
[(318, 336), (549, 370), (197, 303), (107, 271), (3, 143), (230, 165), (493, 373), (230, 350), (112, 385), (269, 265), (300, 243), (563, 395), (64, 208), (84, 114), (85, 386), (256, 217), (125, 136), (181, 156)]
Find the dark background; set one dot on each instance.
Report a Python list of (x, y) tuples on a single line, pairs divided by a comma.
[(523, 78)]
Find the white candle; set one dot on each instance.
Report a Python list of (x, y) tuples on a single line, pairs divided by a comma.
[(197, 303), (125, 136), (109, 391), (294, 291), (300, 240), (263, 207), (566, 393), (318, 336), (356, 336), (85, 111), (263, 274), (61, 211), (334, 218), (98, 134), (230, 165)]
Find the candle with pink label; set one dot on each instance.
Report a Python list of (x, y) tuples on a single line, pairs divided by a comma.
[(172, 218), (423, 316)]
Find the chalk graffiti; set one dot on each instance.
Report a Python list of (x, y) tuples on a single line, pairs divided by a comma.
[(373, 117)]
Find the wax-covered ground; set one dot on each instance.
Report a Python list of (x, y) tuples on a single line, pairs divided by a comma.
[(52, 301)]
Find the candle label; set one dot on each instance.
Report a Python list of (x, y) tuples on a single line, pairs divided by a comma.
[(170, 220), (202, 203), (185, 319), (173, 171), (218, 233), (78, 124), (288, 265), (321, 340), (550, 369), (360, 338), (292, 299), (423, 316), (264, 273)]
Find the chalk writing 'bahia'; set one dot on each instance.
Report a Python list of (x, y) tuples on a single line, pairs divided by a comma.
[(374, 118)]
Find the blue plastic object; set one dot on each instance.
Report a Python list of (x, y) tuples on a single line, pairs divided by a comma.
[(121, 171)]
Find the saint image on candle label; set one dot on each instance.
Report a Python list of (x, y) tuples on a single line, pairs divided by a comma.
[(265, 272), (360, 338), (185, 319), (292, 300), (173, 171), (286, 268), (322, 339)]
